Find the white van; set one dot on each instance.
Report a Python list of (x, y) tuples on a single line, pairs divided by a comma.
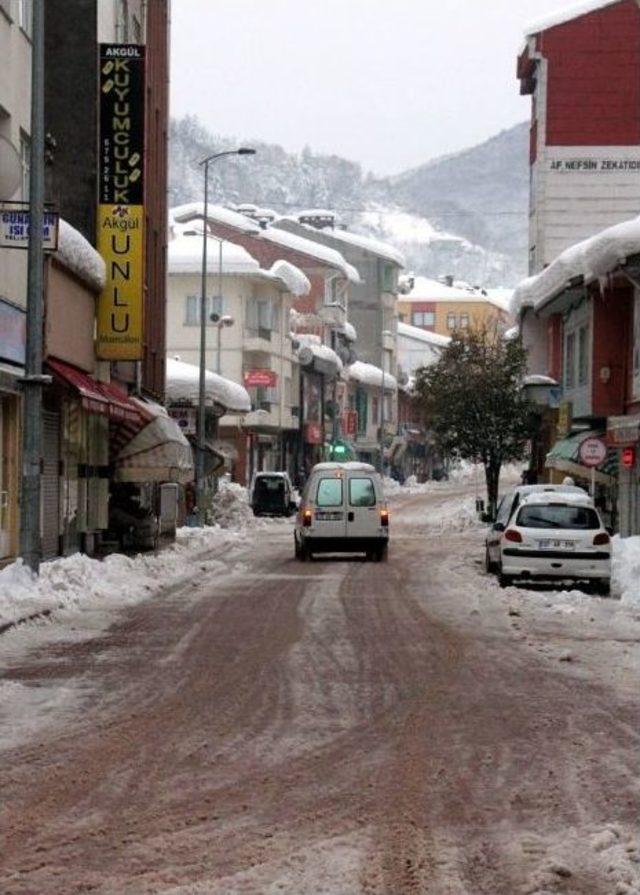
[(343, 510)]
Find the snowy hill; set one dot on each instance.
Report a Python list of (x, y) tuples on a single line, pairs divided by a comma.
[(464, 214)]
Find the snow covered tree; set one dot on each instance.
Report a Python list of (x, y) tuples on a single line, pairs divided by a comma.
[(472, 400)]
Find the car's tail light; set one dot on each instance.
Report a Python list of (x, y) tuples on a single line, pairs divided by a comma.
[(512, 535), (384, 518), (601, 539), (307, 517)]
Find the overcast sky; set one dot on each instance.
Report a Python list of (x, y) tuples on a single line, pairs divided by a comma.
[(387, 83)]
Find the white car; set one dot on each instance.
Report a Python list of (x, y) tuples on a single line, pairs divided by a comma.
[(343, 510), (507, 506), (555, 536)]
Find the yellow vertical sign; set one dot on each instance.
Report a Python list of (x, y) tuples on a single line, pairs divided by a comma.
[(120, 225), (121, 244)]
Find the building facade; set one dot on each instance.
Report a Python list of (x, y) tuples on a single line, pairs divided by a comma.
[(441, 308), (582, 71)]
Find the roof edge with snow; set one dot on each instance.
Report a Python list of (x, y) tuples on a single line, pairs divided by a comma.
[(561, 16)]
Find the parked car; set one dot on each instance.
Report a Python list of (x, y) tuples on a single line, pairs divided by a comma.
[(271, 494), (343, 510), (507, 506), (555, 536)]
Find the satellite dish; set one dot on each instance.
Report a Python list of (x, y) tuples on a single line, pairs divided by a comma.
[(10, 169)]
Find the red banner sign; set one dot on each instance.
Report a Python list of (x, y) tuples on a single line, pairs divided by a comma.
[(260, 378), (350, 422), (313, 433)]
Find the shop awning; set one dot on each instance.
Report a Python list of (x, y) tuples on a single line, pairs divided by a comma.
[(565, 457), (97, 397), (158, 453), (623, 430)]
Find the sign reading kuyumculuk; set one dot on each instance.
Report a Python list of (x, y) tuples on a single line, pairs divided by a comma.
[(15, 221), (593, 452), (120, 230)]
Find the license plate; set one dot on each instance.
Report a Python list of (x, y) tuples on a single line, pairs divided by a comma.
[(554, 544), (329, 517)]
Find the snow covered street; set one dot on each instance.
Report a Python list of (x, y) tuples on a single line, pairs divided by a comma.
[(222, 719)]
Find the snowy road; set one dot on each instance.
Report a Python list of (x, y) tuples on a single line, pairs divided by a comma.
[(332, 727)]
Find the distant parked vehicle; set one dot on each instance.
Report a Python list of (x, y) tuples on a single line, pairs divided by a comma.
[(556, 536), (271, 494), (507, 506), (343, 510)]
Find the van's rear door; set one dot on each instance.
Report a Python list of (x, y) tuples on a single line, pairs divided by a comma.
[(363, 507), (329, 515)]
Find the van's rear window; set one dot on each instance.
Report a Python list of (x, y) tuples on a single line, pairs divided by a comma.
[(557, 516), (329, 493), (362, 493)]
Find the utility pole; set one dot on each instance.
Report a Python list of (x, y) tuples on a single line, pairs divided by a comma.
[(30, 542)]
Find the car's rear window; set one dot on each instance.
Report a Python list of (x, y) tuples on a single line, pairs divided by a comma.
[(329, 493), (557, 516), (362, 492)]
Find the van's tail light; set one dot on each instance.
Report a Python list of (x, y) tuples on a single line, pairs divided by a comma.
[(601, 539), (512, 535), (307, 517), (384, 518)]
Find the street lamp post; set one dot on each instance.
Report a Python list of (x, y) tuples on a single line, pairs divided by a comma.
[(225, 320), (200, 452)]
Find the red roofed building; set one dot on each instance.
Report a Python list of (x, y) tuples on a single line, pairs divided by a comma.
[(581, 68)]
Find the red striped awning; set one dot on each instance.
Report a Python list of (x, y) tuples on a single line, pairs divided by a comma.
[(98, 397)]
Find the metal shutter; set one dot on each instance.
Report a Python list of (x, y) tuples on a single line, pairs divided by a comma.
[(50, 484)]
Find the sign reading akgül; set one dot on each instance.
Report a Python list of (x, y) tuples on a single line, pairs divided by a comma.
[(120, 226)]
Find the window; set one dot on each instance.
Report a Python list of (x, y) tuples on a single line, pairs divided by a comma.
[(583, 355), (464, 321), (288, 392), (122, 22), (25, 15), (25, 160), (362, 493), (263, 317), (424, 318), (558, 516), (451, 320), (389, 278), (570, 361), (192, 309), (329, 493), (136, 29), (374, 411)]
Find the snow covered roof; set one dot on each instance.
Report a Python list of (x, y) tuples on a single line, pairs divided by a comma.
[(350, 332), (80, 257), (293, 278), (183, 388), (539, 379), (375, 246), (185, 254), (368, 374), (422, 335), (426, 289), (592, 259), (314, 249), (311, 346), (560, 16), (191, 210)]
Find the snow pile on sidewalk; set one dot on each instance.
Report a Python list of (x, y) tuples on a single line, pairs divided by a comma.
[(116, 581), (231, 507), (626, 569)]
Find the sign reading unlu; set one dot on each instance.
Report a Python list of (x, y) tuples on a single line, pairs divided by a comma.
[(120, 230), (264, 378)]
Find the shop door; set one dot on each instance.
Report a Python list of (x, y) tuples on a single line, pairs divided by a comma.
[(50, 485)]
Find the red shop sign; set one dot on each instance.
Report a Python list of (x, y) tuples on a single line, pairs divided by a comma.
[(313, 433), (261, 378)]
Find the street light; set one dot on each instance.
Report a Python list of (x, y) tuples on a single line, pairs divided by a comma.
[(220, 322), (243, 150)]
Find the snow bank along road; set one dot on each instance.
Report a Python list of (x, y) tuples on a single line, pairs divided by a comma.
[(330, 727)]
